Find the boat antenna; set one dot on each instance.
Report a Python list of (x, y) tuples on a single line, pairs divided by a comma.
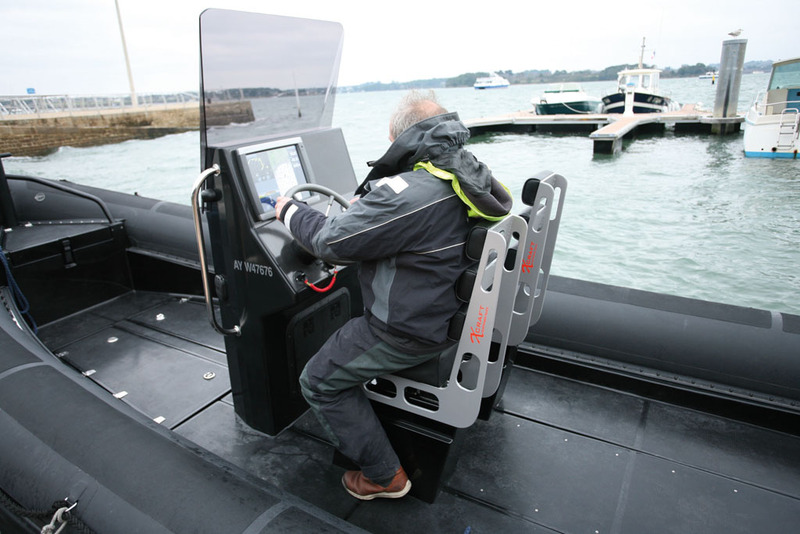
[(134, 100), (641, 54)]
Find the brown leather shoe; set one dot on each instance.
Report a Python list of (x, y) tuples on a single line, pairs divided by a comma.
[(363, 488)]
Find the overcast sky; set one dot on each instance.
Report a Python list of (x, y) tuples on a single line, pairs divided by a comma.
[(74, 46)]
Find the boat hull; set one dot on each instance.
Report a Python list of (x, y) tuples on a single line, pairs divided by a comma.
[(771, 155), (642, 103), (491, 82), (569, 108), (500, 86), (770, 136)]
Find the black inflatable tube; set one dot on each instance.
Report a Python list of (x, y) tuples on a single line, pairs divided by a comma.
[(152, 225), (755, 350), (64, 438)]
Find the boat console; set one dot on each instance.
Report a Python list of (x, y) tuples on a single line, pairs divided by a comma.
[(266, 114), (263, 282), (276, 304)]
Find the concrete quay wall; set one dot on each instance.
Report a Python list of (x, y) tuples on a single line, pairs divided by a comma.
[(42, 133)]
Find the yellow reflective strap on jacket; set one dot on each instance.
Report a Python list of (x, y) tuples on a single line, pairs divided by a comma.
[(434, 170), (442, 174)]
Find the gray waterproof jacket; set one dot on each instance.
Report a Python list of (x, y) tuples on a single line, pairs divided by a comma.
[(408, 230)]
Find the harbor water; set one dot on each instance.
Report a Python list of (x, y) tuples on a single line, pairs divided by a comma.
[(682, 214)]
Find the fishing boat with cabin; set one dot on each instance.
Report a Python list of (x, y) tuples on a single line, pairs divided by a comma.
[(638, 91)]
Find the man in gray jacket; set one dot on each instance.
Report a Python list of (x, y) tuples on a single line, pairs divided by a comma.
[(407, 231)]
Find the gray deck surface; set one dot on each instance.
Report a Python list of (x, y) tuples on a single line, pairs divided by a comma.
[(561, 455)]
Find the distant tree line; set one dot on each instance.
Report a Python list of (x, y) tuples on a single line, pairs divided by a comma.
[(547, 76)]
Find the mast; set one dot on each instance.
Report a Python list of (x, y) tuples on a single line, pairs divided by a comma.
[(641, 54), (134, 100)]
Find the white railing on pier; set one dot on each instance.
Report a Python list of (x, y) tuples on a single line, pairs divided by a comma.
[(17, 105)]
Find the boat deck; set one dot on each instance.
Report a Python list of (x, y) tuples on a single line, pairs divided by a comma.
[(562, 454)]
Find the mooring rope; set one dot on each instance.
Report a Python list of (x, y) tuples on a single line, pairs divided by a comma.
[(57, 511), (58, 517), (573, 109), (22, 302)]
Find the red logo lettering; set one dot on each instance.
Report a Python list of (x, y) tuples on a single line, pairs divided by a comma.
[(527, 264), (477, 332)]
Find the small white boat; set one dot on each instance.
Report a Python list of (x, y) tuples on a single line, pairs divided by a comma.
[(710, 75), (566, 99), (493, 81), (772, 122)]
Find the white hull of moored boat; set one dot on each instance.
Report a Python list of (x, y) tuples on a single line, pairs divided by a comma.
[(772, 124), (771, 136)]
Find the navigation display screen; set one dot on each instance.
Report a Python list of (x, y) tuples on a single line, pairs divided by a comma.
[(271, 171)]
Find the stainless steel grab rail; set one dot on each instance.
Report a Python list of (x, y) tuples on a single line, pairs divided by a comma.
[(198, 228)]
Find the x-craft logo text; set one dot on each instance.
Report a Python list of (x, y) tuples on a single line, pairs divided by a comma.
[(527, 264), (477, 332)]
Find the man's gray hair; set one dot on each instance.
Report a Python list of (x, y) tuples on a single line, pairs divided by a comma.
[(414, 107)]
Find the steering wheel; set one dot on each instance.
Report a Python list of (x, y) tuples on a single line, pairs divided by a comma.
[(332, 195), (321, 189)]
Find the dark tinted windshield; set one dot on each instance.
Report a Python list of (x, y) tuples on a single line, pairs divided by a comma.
[(265, 75)]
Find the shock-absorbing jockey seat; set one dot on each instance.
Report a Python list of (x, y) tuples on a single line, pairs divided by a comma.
[(503, 297)]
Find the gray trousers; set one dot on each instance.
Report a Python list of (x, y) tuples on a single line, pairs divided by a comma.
[(331, 383)]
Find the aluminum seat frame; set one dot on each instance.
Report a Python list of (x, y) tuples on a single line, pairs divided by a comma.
[(504, 303)]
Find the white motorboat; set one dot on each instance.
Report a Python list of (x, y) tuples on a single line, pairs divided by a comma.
[(771, 124), (493, 81), (566, 99)]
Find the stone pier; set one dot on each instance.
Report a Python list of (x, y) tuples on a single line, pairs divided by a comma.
[(42, 133)]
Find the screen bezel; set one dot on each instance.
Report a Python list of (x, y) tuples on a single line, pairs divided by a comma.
[(261, 211)]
